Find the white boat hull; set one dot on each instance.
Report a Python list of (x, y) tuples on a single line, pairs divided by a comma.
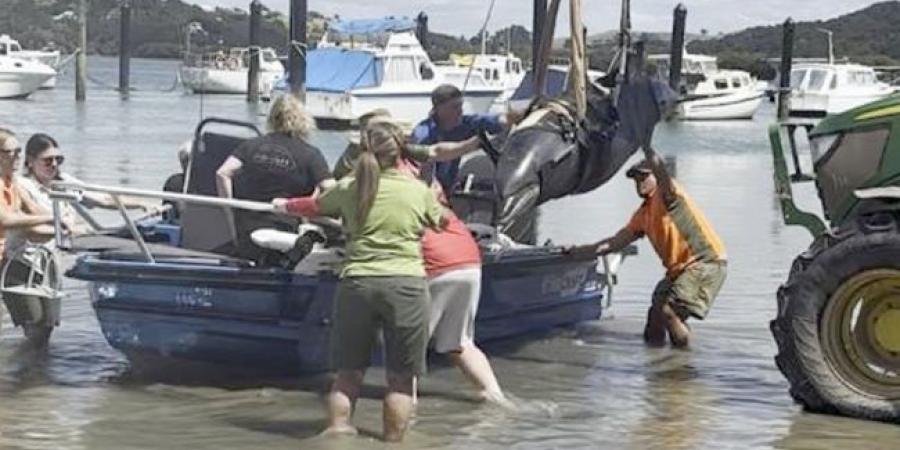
[(405, 106), (734, 106), (222, 81), (20, 78), (814, 104)]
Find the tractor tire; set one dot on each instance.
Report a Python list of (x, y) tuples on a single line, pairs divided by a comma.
[(838, 322)]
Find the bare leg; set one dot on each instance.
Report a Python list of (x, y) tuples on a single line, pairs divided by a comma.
[(476, 367), (655, 329), (679, 333), (398, 406), (341, 401)]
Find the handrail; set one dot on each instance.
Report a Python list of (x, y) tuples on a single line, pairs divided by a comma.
[(58, 187)]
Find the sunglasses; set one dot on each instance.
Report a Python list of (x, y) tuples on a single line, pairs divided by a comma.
[(49, 160), (13, 152)]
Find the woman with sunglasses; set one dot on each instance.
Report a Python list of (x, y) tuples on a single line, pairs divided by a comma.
[(43, 163), (21, 219)]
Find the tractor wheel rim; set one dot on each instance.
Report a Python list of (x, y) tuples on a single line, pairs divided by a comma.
[(860, 333)]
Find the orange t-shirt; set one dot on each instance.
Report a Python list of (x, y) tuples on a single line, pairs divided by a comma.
[(10, 201), (679, 232)]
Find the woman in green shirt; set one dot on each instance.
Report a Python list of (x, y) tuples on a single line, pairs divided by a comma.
[(382, 285)]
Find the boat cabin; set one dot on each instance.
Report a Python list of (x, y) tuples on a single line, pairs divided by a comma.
[(9, 45), (830, 77)]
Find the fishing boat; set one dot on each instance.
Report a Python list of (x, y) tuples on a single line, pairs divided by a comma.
[(50, 58), (163, 290), (221, 73), (711, 93), (363, 65)]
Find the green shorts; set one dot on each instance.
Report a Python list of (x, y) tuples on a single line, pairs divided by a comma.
[(691, 294), (363, 306)]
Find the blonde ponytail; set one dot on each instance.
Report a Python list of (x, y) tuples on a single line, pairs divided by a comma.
[(382, 143)]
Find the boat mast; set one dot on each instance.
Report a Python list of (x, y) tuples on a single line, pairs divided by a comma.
[(830, 35)]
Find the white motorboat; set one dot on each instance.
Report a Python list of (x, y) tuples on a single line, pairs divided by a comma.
[(19, 78), (503, 71), (11, 47), (818, 90), (344, 81), (710, 93), (221, 73), (556, 83)]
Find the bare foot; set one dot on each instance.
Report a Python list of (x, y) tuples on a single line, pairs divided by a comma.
[(339, 430), (496, 398)]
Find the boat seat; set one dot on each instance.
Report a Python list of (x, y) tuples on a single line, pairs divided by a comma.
[(208, 228), (126, 249), (475, 200)]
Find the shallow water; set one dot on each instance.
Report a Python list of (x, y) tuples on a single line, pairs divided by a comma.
[(591, 387)]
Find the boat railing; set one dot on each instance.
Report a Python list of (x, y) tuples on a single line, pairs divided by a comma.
[(71, 192)]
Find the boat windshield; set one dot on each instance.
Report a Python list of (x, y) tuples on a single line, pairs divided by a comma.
[(709, 66), (860, 78), (400, 69), (797, 78), (817, 79)]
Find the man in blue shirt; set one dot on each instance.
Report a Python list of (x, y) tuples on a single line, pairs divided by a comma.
[(447, 123)]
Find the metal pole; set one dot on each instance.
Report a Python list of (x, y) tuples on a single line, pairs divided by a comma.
[(539, 16), (124, 47), (81, 59), (297, 53), (677, 51), (787, 54), (253, 75)]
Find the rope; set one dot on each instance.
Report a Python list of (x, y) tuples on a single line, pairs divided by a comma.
[(481, 33)]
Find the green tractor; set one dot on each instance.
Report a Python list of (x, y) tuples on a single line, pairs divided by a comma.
[(838, 322)]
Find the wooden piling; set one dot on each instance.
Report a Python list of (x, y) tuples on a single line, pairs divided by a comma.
[(787, 55), (297, 54), (253, 71), (677, 46), (124, 47), (422, 30), (81, 58)]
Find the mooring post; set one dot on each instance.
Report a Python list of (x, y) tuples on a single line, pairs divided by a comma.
[(787, 55), (124, 47), (677, 50), (81, 58), (539, 15), (297, 54), (253, 74), (422, 30)]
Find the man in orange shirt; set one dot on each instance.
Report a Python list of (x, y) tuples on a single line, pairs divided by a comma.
[(690, 250)]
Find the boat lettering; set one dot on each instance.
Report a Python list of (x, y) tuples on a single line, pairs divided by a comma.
[(566, 283), (194, 298)]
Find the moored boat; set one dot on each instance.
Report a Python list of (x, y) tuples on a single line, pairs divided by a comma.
[(19, 78), (219, 73)]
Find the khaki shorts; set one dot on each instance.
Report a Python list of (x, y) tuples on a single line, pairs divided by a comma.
[(454, 302), (363, 306), (691, 294)]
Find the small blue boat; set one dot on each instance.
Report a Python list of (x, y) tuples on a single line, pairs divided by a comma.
[(189, 302)]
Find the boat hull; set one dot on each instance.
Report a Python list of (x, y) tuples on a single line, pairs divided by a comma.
[(815, 104), (410, 106), (216, 81), (20, 78), (734, 106), (278, 321)]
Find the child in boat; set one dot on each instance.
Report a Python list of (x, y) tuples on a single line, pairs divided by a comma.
[(382, 283)]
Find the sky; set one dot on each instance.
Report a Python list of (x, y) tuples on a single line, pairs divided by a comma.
[(465, 17)]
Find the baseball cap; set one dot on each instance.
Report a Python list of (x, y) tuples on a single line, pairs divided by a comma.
[(642, 166)]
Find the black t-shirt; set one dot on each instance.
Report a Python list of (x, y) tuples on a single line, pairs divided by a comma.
[(277, 165)]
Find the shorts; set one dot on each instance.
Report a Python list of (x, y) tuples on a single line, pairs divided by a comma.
[(454, 302), (363, 306), (691, 293)]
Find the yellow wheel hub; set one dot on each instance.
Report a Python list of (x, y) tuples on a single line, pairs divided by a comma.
[(887, 330)]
